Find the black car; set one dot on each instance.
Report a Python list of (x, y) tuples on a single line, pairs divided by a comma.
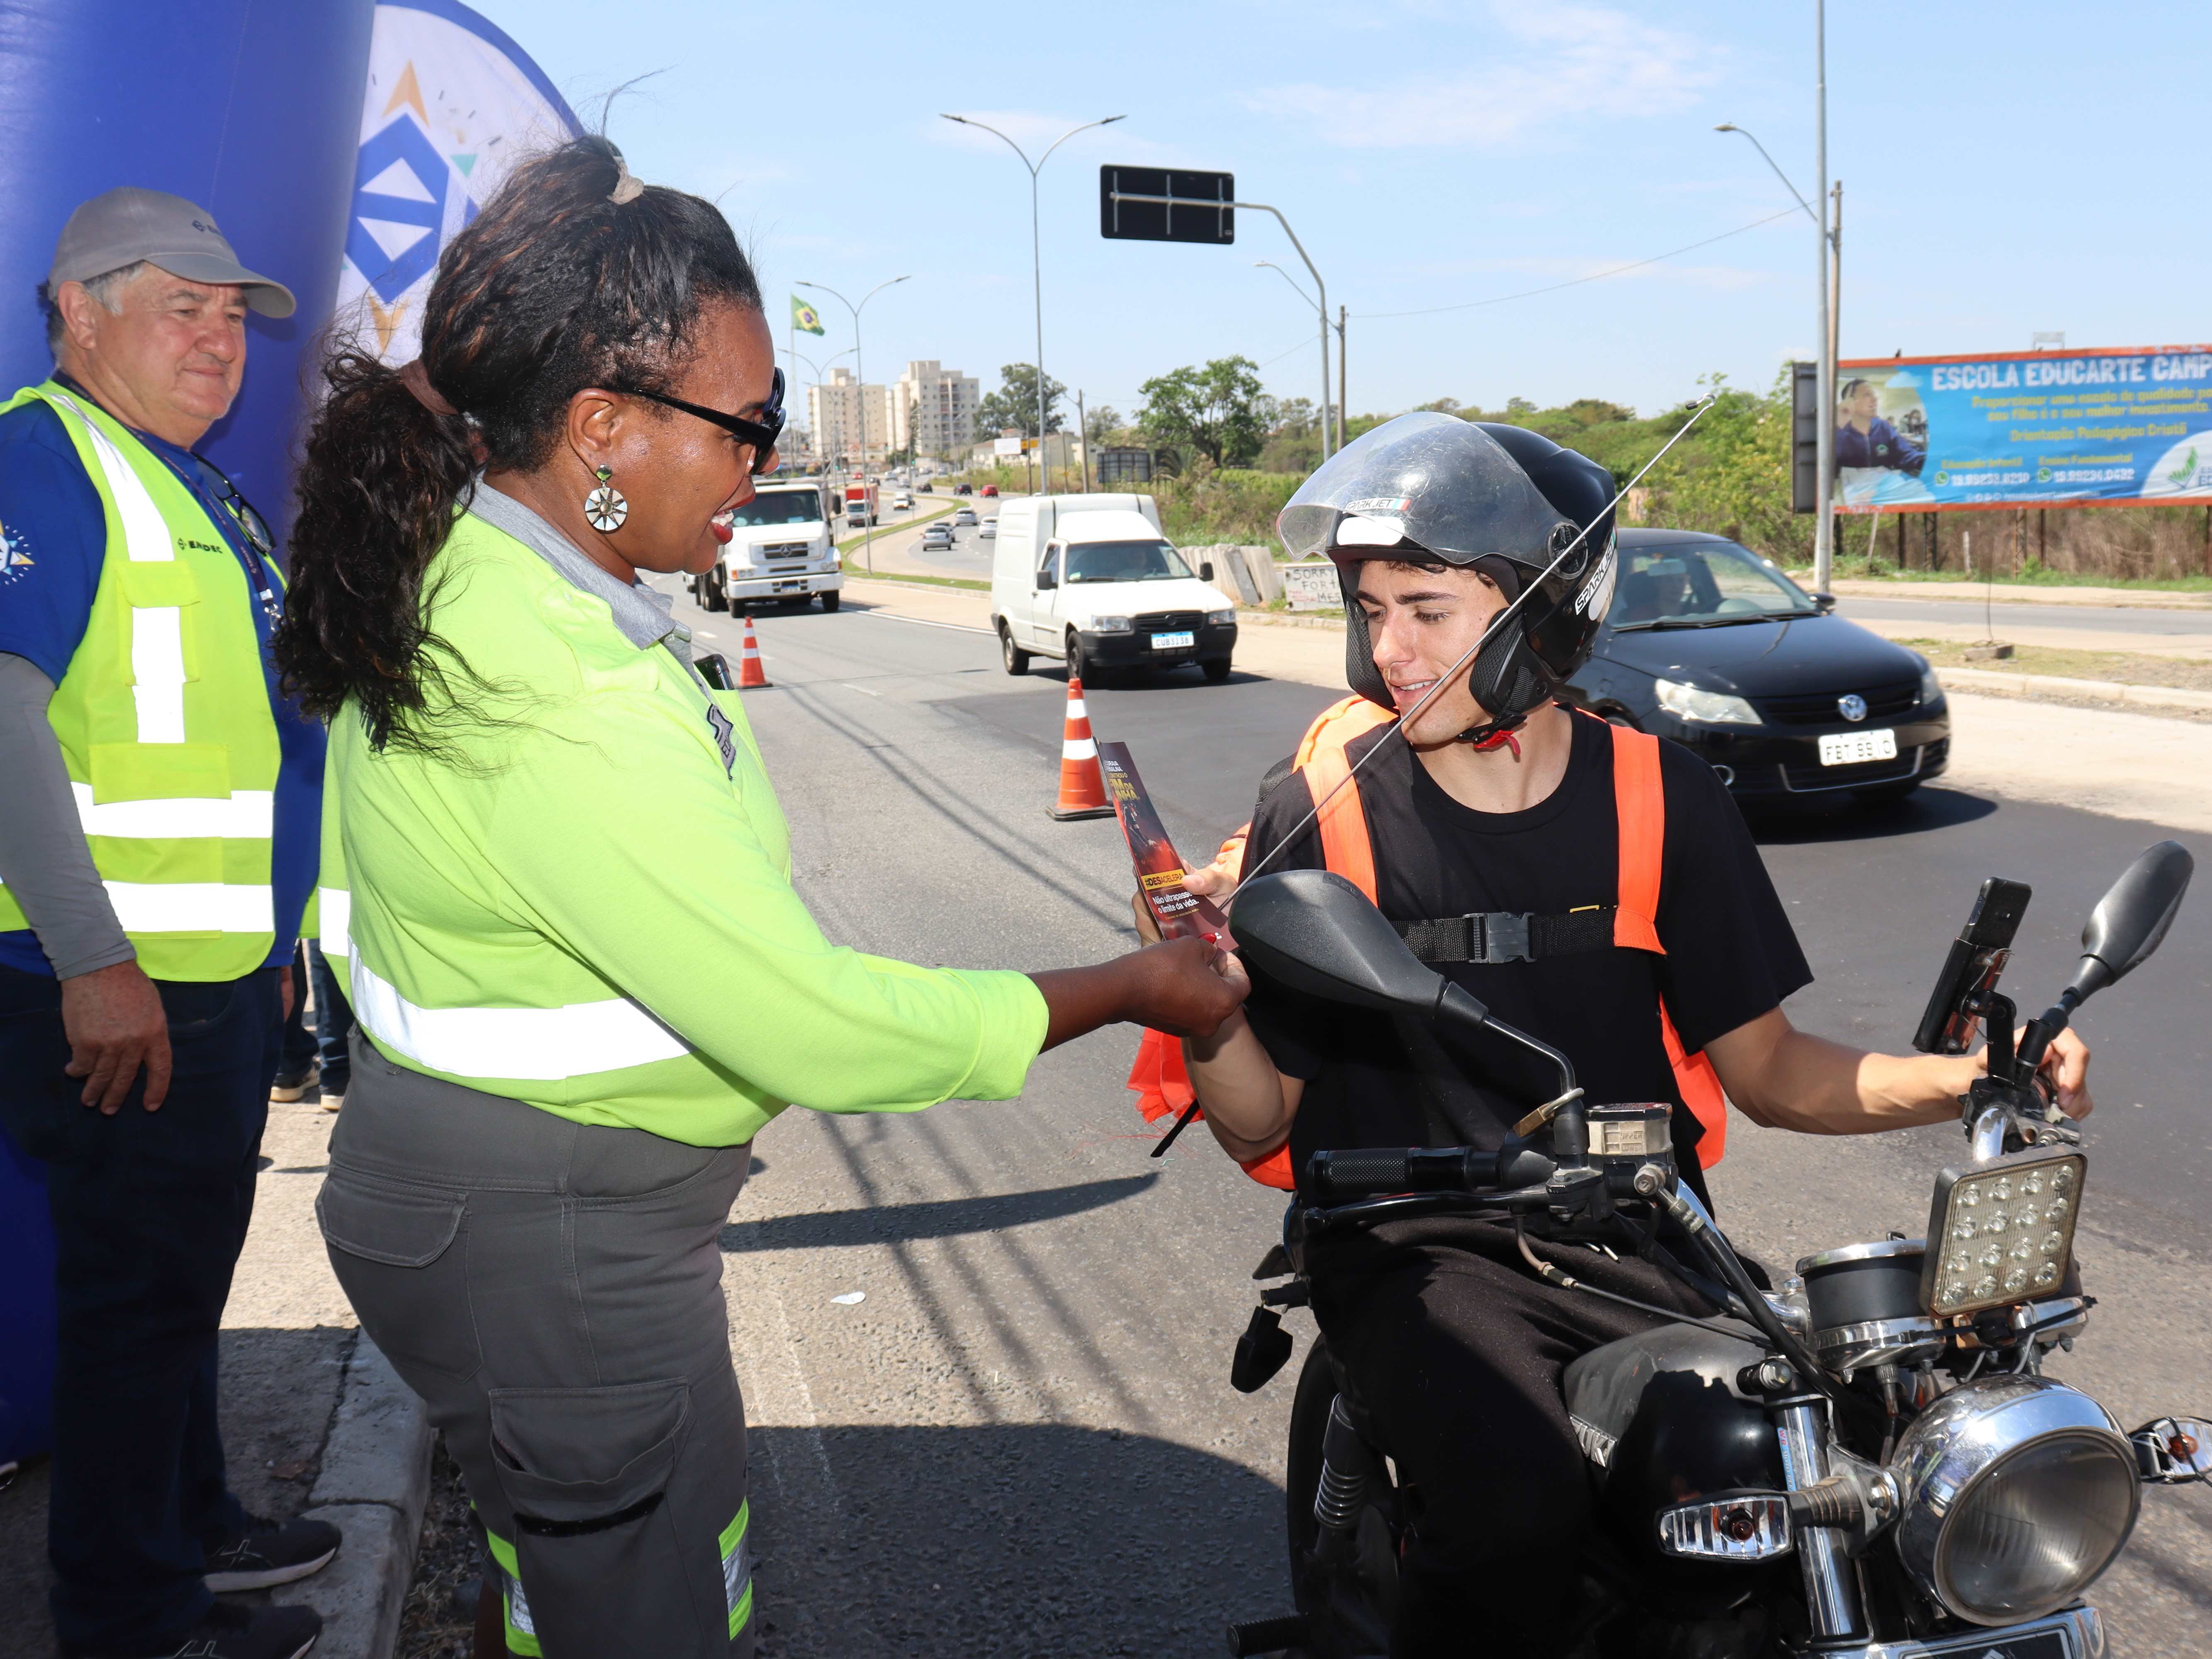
[(1709, 644)]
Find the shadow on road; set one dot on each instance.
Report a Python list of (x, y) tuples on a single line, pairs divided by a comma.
[(943, 1217), (1012, 1538), (1918, 813)]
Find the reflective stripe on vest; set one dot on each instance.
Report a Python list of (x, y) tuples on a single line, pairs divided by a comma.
[(157, 632), (335, 935), (164, 719), (533, 1045)]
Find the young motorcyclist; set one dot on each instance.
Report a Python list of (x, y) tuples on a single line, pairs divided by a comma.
[(1594, 886)]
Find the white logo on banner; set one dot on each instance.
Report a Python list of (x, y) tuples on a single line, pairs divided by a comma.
[(452, 105)]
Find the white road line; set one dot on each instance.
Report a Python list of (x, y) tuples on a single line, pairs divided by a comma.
[(919, 622)]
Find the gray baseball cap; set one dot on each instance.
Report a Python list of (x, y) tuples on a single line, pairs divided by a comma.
[(127, 224)]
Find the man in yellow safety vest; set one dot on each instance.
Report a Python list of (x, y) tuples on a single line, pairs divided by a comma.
[(158, 839)]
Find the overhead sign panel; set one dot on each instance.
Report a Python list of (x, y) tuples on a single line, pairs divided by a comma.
[(1161, 205), (2040, 428)]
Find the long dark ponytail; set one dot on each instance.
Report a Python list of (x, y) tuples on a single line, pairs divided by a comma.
[(554, 287)]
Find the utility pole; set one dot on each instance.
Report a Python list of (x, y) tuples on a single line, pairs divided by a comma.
[(1343, 396), (1823, 507), (1836, 279), (1037, 257), (1321, 306), (1082, 436)]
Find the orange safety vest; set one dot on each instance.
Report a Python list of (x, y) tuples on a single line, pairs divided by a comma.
[(1159, 1076)]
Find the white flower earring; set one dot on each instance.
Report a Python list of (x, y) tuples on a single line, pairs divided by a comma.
[(606, 507)]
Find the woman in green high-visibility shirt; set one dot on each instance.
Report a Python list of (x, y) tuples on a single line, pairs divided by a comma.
[(570, 1037)]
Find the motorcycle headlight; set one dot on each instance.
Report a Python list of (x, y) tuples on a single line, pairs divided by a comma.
[(1690, 702), (2002, 1231), (2015, 1493)]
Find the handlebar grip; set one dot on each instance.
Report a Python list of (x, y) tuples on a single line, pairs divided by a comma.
[(1372, 1171), (1361, 1172)]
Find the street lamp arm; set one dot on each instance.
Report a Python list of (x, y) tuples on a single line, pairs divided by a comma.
[(1070, 133), (823, 288), (983, 126), (1730, 126), (1269, 265), (879, 288)]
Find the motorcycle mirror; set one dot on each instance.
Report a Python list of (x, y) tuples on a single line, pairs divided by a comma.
[(2131, 919), (1317, 933)]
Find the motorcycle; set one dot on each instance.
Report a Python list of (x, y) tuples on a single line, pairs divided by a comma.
[(1866, 1462)]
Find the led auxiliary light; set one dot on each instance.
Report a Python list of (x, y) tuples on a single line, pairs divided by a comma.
[(2001, 1232)]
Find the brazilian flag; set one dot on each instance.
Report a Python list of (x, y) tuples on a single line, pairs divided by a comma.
[(803, 316)]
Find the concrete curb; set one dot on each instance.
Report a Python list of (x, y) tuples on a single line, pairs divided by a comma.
[(2053, 685), (375, 1482)]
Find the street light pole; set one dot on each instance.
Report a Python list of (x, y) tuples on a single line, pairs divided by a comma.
[(1828, 247), (859, 363), (1037, 259), (814, 369)]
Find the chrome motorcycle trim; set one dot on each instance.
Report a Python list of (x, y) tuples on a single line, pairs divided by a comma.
[(1988, 1134), (1874, 1252), (1849, 1348), (2080, 1628), (1967, 1433), (1831, 1589)]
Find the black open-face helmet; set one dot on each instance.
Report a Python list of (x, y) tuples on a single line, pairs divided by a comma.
[(1427, 487)]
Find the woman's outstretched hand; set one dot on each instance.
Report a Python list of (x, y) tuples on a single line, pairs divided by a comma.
[(1185, 987)]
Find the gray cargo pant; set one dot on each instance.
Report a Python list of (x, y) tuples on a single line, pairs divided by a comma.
[(553, 1292)]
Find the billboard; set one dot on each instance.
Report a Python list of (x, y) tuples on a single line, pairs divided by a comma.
[(2123, 427)]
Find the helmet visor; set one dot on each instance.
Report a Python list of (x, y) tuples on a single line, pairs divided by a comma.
[(1438, 482)]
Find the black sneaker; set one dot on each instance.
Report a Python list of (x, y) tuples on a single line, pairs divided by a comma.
[(288, 1086), (234, 1632), (268, 1553)]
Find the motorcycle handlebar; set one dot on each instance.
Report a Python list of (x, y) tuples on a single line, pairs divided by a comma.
[(1373, 1171)]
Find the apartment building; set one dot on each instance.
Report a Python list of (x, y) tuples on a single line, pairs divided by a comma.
[(934, 409), (835, 410)]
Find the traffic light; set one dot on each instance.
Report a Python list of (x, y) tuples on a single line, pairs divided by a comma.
[(1158, 204), (1804, 437)]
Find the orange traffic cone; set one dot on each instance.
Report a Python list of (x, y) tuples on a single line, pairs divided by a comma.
[(749, 672), (1082, 786)]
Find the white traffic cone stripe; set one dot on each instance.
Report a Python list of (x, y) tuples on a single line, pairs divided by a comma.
[(1079, 749), (1076, 711)]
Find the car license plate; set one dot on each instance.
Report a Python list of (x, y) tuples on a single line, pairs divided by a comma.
[(799, 586), (1994, 1644), (1856, 748), (1174, 642)]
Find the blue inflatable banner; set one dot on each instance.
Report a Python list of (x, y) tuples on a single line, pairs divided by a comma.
[(2126, 427)]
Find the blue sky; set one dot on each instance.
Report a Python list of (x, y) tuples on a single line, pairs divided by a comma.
[(2007, 168)]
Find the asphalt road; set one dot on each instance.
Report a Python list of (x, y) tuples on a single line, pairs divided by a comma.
[(1022, 1440), (2194, 626)]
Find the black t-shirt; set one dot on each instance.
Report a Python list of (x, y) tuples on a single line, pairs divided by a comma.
[(1373, 1080)]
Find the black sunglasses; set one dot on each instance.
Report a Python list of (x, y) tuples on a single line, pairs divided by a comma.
[(761, 435), (256, 527)]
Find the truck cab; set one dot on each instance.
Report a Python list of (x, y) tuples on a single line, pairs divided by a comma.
[(1092, 581), (781, 549)]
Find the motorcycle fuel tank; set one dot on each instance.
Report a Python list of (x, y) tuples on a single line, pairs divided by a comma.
[(1661, 1423)]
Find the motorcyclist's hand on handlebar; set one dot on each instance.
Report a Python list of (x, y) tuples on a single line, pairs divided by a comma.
[(2066, 1067), (2064, 1070)]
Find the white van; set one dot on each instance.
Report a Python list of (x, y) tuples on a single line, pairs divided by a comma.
[(780, 549), (1092, 581)]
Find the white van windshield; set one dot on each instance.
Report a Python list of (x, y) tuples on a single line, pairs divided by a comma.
[(1124, 561), (781, 506)]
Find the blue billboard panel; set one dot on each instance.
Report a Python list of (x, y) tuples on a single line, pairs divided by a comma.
[(2043, 428)]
